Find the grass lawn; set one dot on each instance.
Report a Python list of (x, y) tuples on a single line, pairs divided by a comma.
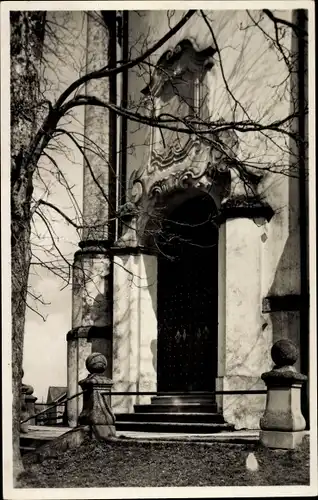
[(132, 463)]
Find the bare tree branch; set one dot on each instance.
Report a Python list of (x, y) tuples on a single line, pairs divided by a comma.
[(104, 72), (276, 20)]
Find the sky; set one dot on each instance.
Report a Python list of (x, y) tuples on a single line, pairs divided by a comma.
[(45, 348)]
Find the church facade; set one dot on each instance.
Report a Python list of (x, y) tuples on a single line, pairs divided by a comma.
[(193, 261)]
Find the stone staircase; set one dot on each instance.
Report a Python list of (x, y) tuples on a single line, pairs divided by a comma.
[(171, 414), (165, 414), (39, 435)]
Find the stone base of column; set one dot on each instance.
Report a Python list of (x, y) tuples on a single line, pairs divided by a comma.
[(284, 440), (242, 410)]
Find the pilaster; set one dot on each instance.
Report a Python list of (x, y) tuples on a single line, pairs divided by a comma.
[(135, 325), (243, 342)]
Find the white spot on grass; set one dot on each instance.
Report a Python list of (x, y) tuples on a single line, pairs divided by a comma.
[(251, 462)]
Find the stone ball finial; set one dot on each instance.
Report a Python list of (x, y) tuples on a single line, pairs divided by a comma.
[(96, 363), (284, 353), (29, 390)]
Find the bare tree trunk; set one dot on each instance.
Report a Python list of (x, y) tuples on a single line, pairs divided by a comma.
[(26, 41), (20, 263)]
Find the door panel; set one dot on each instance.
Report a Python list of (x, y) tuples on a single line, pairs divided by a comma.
[(188, 300)]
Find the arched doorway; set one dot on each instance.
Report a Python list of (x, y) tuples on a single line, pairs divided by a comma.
[(188, 298)]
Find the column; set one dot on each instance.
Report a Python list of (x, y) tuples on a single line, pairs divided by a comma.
[(91, 320), (243, 341), (97, 170), (135, 326), (92, 280)]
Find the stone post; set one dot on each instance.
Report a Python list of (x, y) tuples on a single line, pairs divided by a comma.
[(27, 406), (97, 413), (30, 403), (283, 424), (24, 426)]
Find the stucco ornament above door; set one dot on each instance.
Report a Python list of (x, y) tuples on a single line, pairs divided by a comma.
[(186, 150)]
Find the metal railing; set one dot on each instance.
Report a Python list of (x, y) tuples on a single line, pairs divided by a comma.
[(49, 408), (111, 393), (183, 393), (49, 417)]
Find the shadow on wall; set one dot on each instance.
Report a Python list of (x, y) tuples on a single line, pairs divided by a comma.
[(152, 281), (284, 302), (151, 278), (100, 310), (99, 314), (283, 297), (135, 292), (153, 348), (121, 349)]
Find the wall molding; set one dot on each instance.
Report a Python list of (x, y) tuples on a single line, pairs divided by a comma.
[(90, 332), (133, 250), (247, 209), (277, 303)]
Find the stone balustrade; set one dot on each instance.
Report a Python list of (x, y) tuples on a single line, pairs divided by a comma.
[(282, 425), (97, 413)]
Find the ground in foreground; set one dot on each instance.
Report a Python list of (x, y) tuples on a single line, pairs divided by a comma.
[(149, 464)]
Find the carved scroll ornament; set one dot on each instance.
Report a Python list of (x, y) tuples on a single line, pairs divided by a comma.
[(200, 164), (175, 62)]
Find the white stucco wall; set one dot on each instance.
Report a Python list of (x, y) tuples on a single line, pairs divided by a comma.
[(254, 75)]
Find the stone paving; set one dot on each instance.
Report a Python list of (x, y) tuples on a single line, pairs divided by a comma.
[(233, 436), (47, 432)]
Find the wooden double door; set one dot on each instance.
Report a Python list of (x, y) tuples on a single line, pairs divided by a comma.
[(188, 298)]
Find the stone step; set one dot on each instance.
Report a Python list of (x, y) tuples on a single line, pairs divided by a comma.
[(183, 399), (39, 435), (198, 407), (174, 427), (27, 449), (195, 417), (32, 442)]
